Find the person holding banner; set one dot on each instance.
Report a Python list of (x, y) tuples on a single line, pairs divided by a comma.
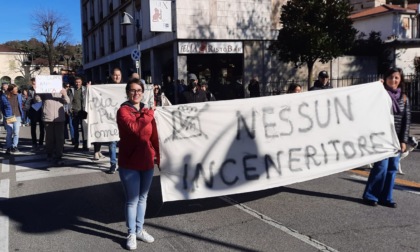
[(382, 176), (116, 77), (112, 146), (138, 149)]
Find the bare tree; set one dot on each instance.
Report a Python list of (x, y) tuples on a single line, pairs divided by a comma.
[(52, 29)]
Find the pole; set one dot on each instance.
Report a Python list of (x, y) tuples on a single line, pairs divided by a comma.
[(139, 68), (138, 38), (68, 67)]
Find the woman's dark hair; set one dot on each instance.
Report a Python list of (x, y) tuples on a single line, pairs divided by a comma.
[(392, 70), (292, 87), (11, 87), (133, 81), (158, 88)]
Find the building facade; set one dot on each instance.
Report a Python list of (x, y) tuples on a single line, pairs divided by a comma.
[(360, 5), (399, 28), (223, 42), (17, 67), (393, 21), (220, 41)]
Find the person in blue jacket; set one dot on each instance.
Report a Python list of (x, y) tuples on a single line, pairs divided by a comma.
[(11, 106)]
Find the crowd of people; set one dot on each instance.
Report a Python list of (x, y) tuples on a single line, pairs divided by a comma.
[(59, 117)]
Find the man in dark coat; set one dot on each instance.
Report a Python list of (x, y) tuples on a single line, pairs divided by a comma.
[(193, 93), (323, 82)]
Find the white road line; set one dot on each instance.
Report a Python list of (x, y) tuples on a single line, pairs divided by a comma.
[(4, 189), (68, 162), (398, 187), (278, 225), (359, 177), (4, 220), (5, 166), (54, 172)]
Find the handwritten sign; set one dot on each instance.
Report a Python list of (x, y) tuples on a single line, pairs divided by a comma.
[(228, 147), (102, 103), (49, 84)]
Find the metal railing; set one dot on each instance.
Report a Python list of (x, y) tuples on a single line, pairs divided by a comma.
[(412, 81)]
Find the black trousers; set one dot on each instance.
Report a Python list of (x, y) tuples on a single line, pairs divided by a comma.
[(36, 141)]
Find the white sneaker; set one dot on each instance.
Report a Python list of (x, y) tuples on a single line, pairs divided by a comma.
[(131, 242), (98, 155), (144, 236)]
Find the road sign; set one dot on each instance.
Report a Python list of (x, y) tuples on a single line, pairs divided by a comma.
[(137, 64), (135, 54)]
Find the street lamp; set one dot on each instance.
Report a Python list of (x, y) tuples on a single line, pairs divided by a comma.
[(127, 21)]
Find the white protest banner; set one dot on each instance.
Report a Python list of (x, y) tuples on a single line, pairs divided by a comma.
[(228, 147), (49, 84), (102, 103)]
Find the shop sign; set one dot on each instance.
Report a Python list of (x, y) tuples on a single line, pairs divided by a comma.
[(205, 47)]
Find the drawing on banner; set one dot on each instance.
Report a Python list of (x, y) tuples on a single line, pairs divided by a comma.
[(186, 123)]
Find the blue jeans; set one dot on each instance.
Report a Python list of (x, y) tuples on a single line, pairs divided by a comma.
[(66, 130), (381, 180), (12, 133), (136, 186)]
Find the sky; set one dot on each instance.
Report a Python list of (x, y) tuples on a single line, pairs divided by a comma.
[(16, 21)]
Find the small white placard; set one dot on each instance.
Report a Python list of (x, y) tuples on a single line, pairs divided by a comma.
[(49, 83)]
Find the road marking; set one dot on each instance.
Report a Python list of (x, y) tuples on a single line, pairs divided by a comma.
[(397, 187), (68, 163), (5, 166), (314, 243), (55, 172), (401, 182), (4, 220)]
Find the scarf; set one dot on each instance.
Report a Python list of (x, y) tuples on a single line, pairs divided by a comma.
[(395, 96)]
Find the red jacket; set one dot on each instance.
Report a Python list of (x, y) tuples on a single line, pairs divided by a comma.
[(138, 138)]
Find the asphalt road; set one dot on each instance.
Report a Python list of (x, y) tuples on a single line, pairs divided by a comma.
[(79, 207)]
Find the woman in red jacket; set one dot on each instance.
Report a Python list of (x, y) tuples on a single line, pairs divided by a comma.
[(138, 148)]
